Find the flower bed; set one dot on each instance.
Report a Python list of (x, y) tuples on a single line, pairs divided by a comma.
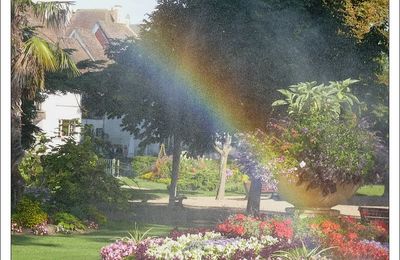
[(248, 237)]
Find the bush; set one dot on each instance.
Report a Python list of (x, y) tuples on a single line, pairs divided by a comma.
[(194, 174), (40, 229), (68, 221), (143, 164), (96, 216), (77, 180), (321, 141), (29, 213)]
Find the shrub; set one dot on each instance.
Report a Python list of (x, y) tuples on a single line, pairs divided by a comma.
[(29, 213), (92, 225), (143, 164), (31, 168), (94, 215), (194, 174), (320, 141), (40, 229), (68, 221), (77, 179), (15, 228)]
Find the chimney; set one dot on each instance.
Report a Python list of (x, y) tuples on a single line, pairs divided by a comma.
[(116, 13), (128, 19)]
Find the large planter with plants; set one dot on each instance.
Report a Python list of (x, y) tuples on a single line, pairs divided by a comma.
[(319, 152), (303, 197)]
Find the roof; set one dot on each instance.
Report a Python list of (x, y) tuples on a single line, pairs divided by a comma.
[(86, 18), (78, 54), (115, 30), (90, 44), (79, 35), (135, 28)]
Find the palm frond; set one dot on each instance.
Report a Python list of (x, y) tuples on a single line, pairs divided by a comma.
[(40, 50), (65, 62), (53, 14), (37, 58)]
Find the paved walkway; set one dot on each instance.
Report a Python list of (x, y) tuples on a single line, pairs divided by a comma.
[(237, 202)]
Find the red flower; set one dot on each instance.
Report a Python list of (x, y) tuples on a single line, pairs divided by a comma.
[(352, 236), (239, 230), (329, 226), (240, 217), (264, 224), (380, 225), (283, 229)]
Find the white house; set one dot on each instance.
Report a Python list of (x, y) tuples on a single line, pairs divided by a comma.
[(88, 32), (111, 131), (60, 117)]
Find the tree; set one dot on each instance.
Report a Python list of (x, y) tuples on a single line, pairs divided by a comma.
[(201, 67), (223, 149), (368, 22), (31, 58)]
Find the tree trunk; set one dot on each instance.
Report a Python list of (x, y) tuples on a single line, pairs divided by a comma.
[(386, 184), (176, 158), (253, 201), (17, 182), (222, 174), (223, 160), (17, 153)]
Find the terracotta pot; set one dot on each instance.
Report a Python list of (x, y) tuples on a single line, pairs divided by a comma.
[(300, 197)]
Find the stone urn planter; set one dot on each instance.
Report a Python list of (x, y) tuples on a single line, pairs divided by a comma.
[(312, 201)]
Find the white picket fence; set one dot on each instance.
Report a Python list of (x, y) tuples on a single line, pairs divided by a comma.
[(117, 168)]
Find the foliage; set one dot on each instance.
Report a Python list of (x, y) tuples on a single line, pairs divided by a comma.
[(15, 228), (31, 58), (143, 164), (364, 17), (31, 167), (195, 61), (175, 233), (281, 238), (322, 143), (77, 180), (195, 174), (92, 225), (136, 235), (30, 112), (248, 226), (74, 246), (302, 253), (310, 99), (117, 250), (40, 229), (68, 221), (201, 246), (250, 162), (95, 215), (29, 213)]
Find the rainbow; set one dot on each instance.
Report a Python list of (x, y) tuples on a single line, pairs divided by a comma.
[(214, 96)]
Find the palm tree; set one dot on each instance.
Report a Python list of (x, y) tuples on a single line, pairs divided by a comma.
[(31, 58)]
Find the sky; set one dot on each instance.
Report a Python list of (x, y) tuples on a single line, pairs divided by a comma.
[(137, 9)]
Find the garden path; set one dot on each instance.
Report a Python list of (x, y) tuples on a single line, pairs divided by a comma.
[(238, 202)]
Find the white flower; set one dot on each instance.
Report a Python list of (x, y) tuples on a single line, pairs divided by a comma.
[(302, 164)]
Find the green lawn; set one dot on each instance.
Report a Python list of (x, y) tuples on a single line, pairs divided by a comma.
[(154, 190), (371, 190), (158, 190), (83, 246)]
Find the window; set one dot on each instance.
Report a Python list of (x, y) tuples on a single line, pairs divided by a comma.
[(99, 132), (67, 127)]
